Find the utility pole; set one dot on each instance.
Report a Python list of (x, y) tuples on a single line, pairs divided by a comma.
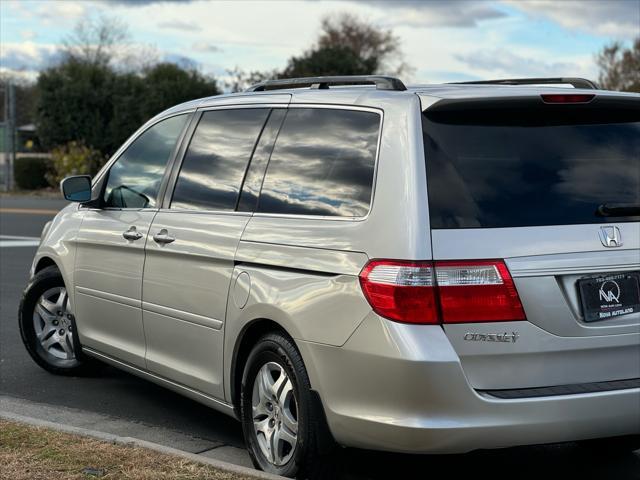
[(5, 134), (9, 124), (11, 135)]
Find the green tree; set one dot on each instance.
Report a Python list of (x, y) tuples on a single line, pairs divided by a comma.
[(78, 97), (348, 45), (101, 107), (331, 60), (167, 84), (90, 98), (377, 48), (620, 67), (75, 102), (126, 114)]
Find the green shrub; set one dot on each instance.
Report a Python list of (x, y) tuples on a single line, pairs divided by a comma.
[(74, 158), (30, 173)]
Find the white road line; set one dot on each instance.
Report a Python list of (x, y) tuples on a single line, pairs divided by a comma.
[(17, 241), (16, 237)]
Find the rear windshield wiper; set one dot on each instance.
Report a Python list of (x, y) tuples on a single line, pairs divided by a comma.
[(618, 210)]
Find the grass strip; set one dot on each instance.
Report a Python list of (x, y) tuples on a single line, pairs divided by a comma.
[(28, 452)]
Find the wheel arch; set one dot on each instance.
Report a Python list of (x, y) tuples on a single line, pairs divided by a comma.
[(247, 338), (43, 263)]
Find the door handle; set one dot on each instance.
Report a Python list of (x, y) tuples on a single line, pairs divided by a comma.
[(132, 234), (163, 237)]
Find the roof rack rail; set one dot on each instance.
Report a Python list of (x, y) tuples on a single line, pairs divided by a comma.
[(575, 82), (381, 82)]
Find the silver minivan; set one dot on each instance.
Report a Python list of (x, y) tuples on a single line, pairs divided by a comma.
[(347, 261)]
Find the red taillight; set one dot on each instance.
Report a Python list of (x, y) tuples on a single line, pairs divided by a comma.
[(479, 291), (567, 98), (447, 291), (401, 291)]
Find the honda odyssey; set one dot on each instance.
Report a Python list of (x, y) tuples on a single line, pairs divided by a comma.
[(348, 261)]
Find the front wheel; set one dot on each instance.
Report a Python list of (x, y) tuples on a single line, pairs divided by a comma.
[(282, 424), (47, 325)]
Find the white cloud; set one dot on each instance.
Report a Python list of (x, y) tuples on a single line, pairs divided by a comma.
[(28, 34), (138, 3), (262, 39), (443, 41), (205, 47), (23, 61), (504, 63), (55, 11), (449, 13), (180, 25), (19, 76), (439, 13), (444, 54), (610, 18), (27, 55)]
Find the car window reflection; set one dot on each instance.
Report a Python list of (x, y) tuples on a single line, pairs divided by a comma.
[(322, 164), (217, 158), (134, 180)]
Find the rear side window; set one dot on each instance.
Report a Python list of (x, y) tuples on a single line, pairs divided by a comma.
[(253, 179), (516, 168), (217, 158), (322, 164)]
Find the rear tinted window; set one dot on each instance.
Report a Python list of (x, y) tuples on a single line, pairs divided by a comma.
[(322, 163), (501, 172), (217, 157), (253, 179)]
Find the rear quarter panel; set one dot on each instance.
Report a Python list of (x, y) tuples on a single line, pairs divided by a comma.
[(302, 272)]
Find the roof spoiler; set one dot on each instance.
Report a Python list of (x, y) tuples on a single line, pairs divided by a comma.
[(322, 83), (574, 82)]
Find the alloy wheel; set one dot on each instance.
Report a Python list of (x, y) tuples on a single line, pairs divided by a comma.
[(52, 322), (275, 413)]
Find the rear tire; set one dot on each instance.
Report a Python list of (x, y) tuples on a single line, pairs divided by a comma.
[(48, 328), (282, 424)]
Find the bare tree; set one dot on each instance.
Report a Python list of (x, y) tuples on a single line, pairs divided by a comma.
[(96, 40), (238, 79), (136, 58), (105, 40), (620, 67)]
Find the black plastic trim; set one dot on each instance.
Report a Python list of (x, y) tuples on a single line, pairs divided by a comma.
[(573, 389)]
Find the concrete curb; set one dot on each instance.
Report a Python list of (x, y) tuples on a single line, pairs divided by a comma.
[(108, 437)]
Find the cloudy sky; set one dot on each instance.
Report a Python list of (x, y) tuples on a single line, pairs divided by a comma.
[(441, 40)]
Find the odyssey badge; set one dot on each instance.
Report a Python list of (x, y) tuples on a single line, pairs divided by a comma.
[(491, 337)]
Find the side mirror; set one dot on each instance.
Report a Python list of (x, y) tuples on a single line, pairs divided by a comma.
[(76, 188)]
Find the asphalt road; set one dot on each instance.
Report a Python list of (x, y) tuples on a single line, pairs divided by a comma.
[(125, 397)]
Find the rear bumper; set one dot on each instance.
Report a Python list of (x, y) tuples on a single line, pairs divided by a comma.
[(402, 388)]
